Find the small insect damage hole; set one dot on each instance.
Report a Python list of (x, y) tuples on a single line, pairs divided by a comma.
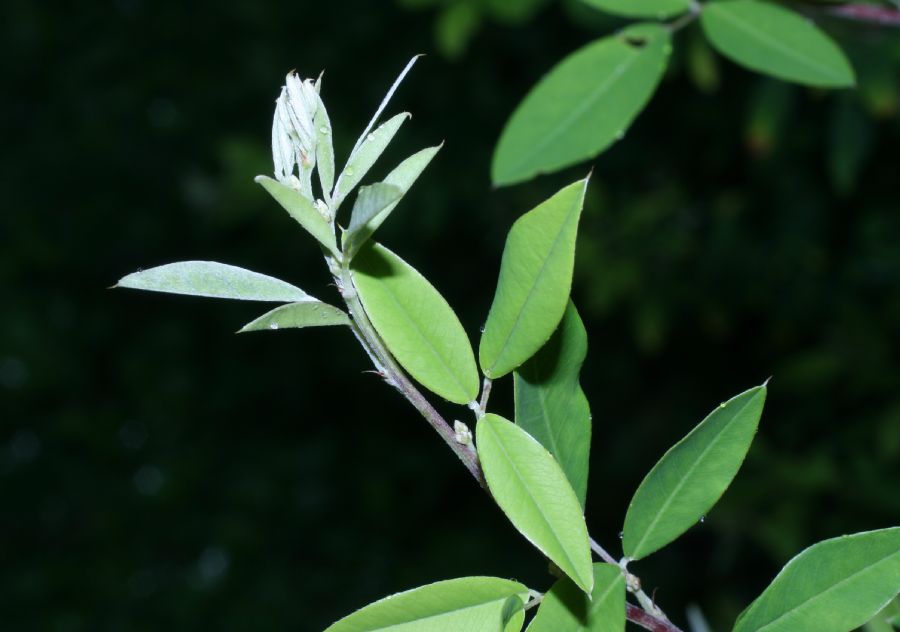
[(635, 41)]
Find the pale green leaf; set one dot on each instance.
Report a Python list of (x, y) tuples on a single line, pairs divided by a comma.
[(659, 9), (302, 210), (416, 323), (535, 279), (403, 176), (298, 315), (535, 495), (324, 149), (583, 105), (775, 41), (689, 478), (887, 619), (214, 280), (566, 609), (550, 405), (833, 586), (370, 201), (364, 156), (469, 604)]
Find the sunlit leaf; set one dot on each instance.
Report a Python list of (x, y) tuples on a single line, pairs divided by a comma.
[(324, 149), (583, 105), (416, 323), (833, 586), (534, 283), (565, 608), (770, 39), (535, 495), (689, 478), (302, 210), (369, 150), (469, 604), (550, 404), (215, 280)]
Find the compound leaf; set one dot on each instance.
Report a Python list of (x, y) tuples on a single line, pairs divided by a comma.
[(298, 315), (535, 279), (535, 495), (550, 405), (583, 105), (833, 586), (469, 604), (775, 41), (566, 609), (689, 478), (416, 323), (214, 280)]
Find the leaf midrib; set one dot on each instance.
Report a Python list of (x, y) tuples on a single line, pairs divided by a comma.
[(619, 71), (530, 497), (688, 474), (831, 588), (774, 43), (439, 614)]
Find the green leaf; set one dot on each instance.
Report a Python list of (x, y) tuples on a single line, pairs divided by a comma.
[(833, 586), (566, 609), (776, 41), (535, 279), (659, 9), (689, 478), (583, 105), (416, 323), (364, 156), (469, 604), (535, 495), (302, 210), (298, 315), (370, 201), (550, 405), (403, 176), (324, 149), (214, 280)]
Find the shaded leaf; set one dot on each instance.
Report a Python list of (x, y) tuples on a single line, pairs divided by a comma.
[(213, 280), (416, 323), (302, 210), (833, 586), (534, 283), (659, 9), (469, 604), (775, 41), (370, 201), (583, 105), (566, 609), (535, 495), (550, 405), (403, 176), (298, 315), (689, 478)]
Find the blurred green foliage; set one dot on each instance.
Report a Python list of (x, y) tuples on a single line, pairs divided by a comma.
[(159, 473)]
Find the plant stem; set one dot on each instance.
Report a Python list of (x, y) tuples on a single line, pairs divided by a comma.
[(394, 375), (599, 550), (870, 13)]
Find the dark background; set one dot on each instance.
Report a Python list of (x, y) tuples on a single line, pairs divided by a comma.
[(158, 472)]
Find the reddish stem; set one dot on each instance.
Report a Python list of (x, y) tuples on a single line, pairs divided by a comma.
[(871, 13), (648, 621)]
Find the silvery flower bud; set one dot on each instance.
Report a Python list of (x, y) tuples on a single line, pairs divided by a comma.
[(293, 129)]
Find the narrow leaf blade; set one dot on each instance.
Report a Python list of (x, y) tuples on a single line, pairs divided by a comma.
[(213, 280), (416, 323), (775, 41), (298, 315), (364, 156), (370, 201), (324, 150), (689, 478), (469, 604), (566, 609), (535, 495), (535, 279), (833, 586), (550, 405), (302, 210), (404, 176), (583, 105), (659, 9)]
